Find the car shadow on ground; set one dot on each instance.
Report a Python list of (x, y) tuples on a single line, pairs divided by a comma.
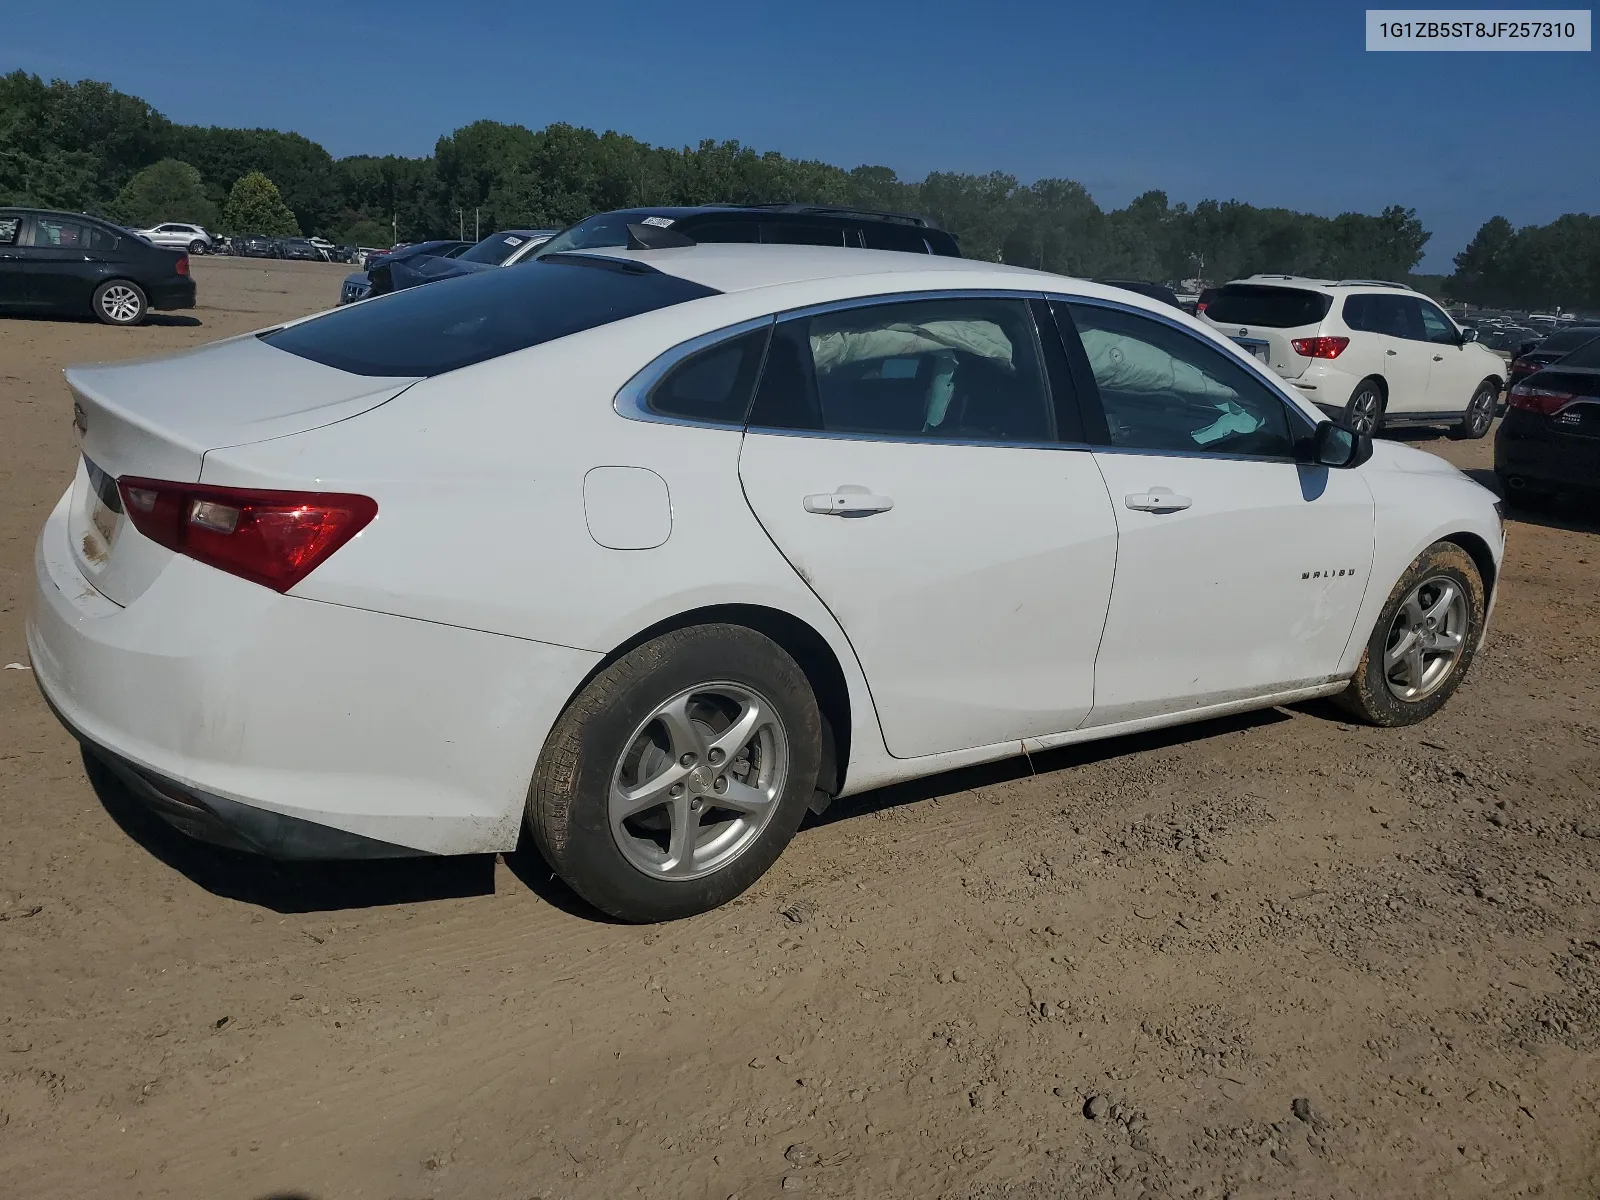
[(1576, 514), (175, 320), (289, 887)]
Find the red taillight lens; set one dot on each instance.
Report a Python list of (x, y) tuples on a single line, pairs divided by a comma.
[(1200, 307), (183, 264), (275, 539), (1539, 400), (1320, 347)]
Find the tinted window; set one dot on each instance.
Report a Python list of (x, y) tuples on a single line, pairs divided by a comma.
[(958, 369), (54, 233), (1164, 389), (1393, 316), (885, 236), (723, 231), (1586, 355), (9, 228), (714, 384), (1274, 307), (799, 233), (456, 322), (1568, 339)]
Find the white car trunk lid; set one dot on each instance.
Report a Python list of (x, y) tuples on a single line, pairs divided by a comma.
[(158, 419)]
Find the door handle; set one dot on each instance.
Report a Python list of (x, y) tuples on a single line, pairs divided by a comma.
[(1156, 500), (1391, 353), (848, 500), (1438, 358)]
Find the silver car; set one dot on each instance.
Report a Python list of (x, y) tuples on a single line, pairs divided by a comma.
[(178, 236)]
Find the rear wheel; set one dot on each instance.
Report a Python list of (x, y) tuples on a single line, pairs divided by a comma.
[(1364, 411), (1479, 416), (197, 247), (678, 774), (1423, 642), (120, 302)]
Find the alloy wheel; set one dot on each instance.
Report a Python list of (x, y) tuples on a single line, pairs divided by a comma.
[(1426, 640), (1482, 412), (120, 302), (1364, 411), (698, 781)]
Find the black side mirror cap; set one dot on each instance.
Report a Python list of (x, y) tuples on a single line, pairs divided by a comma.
[(1334, 444)]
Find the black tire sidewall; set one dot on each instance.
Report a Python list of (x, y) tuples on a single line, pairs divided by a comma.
[(1464, 430), (104, 318), (1378, 703), (197, 247), (567, 812)]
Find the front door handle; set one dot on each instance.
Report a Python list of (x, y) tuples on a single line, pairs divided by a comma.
[(848, 500), (1156, 500), (1438, 358), (1391, 353)]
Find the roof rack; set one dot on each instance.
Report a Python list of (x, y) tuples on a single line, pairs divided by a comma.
[(1404, 287), (826, 210)]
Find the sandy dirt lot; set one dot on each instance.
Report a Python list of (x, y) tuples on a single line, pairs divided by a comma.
[(1279, 955)]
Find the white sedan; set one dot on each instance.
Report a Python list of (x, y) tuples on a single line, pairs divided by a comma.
[(651, 551)]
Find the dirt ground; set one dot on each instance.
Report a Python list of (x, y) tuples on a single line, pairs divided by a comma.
[(1278, 955)]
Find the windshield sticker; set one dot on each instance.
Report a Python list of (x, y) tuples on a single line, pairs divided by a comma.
[(658, 222), (513, 241)]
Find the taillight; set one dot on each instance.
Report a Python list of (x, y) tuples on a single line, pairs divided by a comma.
[(1543, 401), (272, 538), (1320, 347), (183, 264), (1200, 307)]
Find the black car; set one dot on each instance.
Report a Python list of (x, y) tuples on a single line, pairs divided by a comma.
[(1156, 291), (1549, 440), (255, 245), (72, 263), (1549, 350), (299, 248), (376, 279)]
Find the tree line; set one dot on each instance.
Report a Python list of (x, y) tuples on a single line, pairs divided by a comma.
[(87, 147)]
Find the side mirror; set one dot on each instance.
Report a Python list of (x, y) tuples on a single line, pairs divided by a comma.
[(1468, 335), (1338, 446)]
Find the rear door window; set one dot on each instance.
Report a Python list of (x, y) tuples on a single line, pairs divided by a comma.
[(956, 369), (1274, 307), (53, 233), (453, 323)]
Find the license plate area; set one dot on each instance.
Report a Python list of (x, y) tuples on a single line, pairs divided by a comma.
[(1260, 350), (105, 503)]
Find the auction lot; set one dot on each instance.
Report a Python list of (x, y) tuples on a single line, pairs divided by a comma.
[(1275, 955)]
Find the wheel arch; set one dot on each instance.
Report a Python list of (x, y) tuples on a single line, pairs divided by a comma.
[(1482, 557), (802, 643)]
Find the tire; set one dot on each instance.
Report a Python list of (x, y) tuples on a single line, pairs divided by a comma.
[(1479, 416), (1378, 693), (1363, 412), (120, 302), (197, 247), (627, 731)]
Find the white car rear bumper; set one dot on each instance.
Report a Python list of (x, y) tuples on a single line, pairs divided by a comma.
[(294, 727)]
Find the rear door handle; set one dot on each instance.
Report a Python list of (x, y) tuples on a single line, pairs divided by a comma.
[(1391, 353), (1438, 358), (1156, 500), (848, 500)]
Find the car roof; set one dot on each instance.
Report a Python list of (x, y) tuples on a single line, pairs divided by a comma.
[(745, 266), (1330, 286), (841, 212)]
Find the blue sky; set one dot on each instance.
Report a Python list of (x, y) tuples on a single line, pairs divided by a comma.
[(1268, 103)]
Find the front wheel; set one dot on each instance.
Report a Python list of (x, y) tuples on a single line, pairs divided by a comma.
[(1423, 642), (1364, 412), (678, 774), (1479, 416), (197, 247), (119, 302)]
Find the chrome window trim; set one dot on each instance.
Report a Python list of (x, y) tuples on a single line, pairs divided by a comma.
[(1249, 363), (633, 400)]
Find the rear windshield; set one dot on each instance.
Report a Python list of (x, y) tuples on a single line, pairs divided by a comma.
[(457, 322), (1274, 307), (1586, 355), (1567, 339), (495, 248)]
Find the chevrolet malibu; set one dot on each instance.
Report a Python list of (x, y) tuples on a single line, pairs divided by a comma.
[(651, 551)]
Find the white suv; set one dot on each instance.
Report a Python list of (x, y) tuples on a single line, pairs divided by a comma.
[(179, 236), (1374, 353)]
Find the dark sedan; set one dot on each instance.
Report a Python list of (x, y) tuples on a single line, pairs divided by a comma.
[(75, 264), (255, 245), (1550, 439), (1549, 350), (375, 280), (299, 248)]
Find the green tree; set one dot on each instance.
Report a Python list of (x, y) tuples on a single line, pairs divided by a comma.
[(254, 206), (167, 191)]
